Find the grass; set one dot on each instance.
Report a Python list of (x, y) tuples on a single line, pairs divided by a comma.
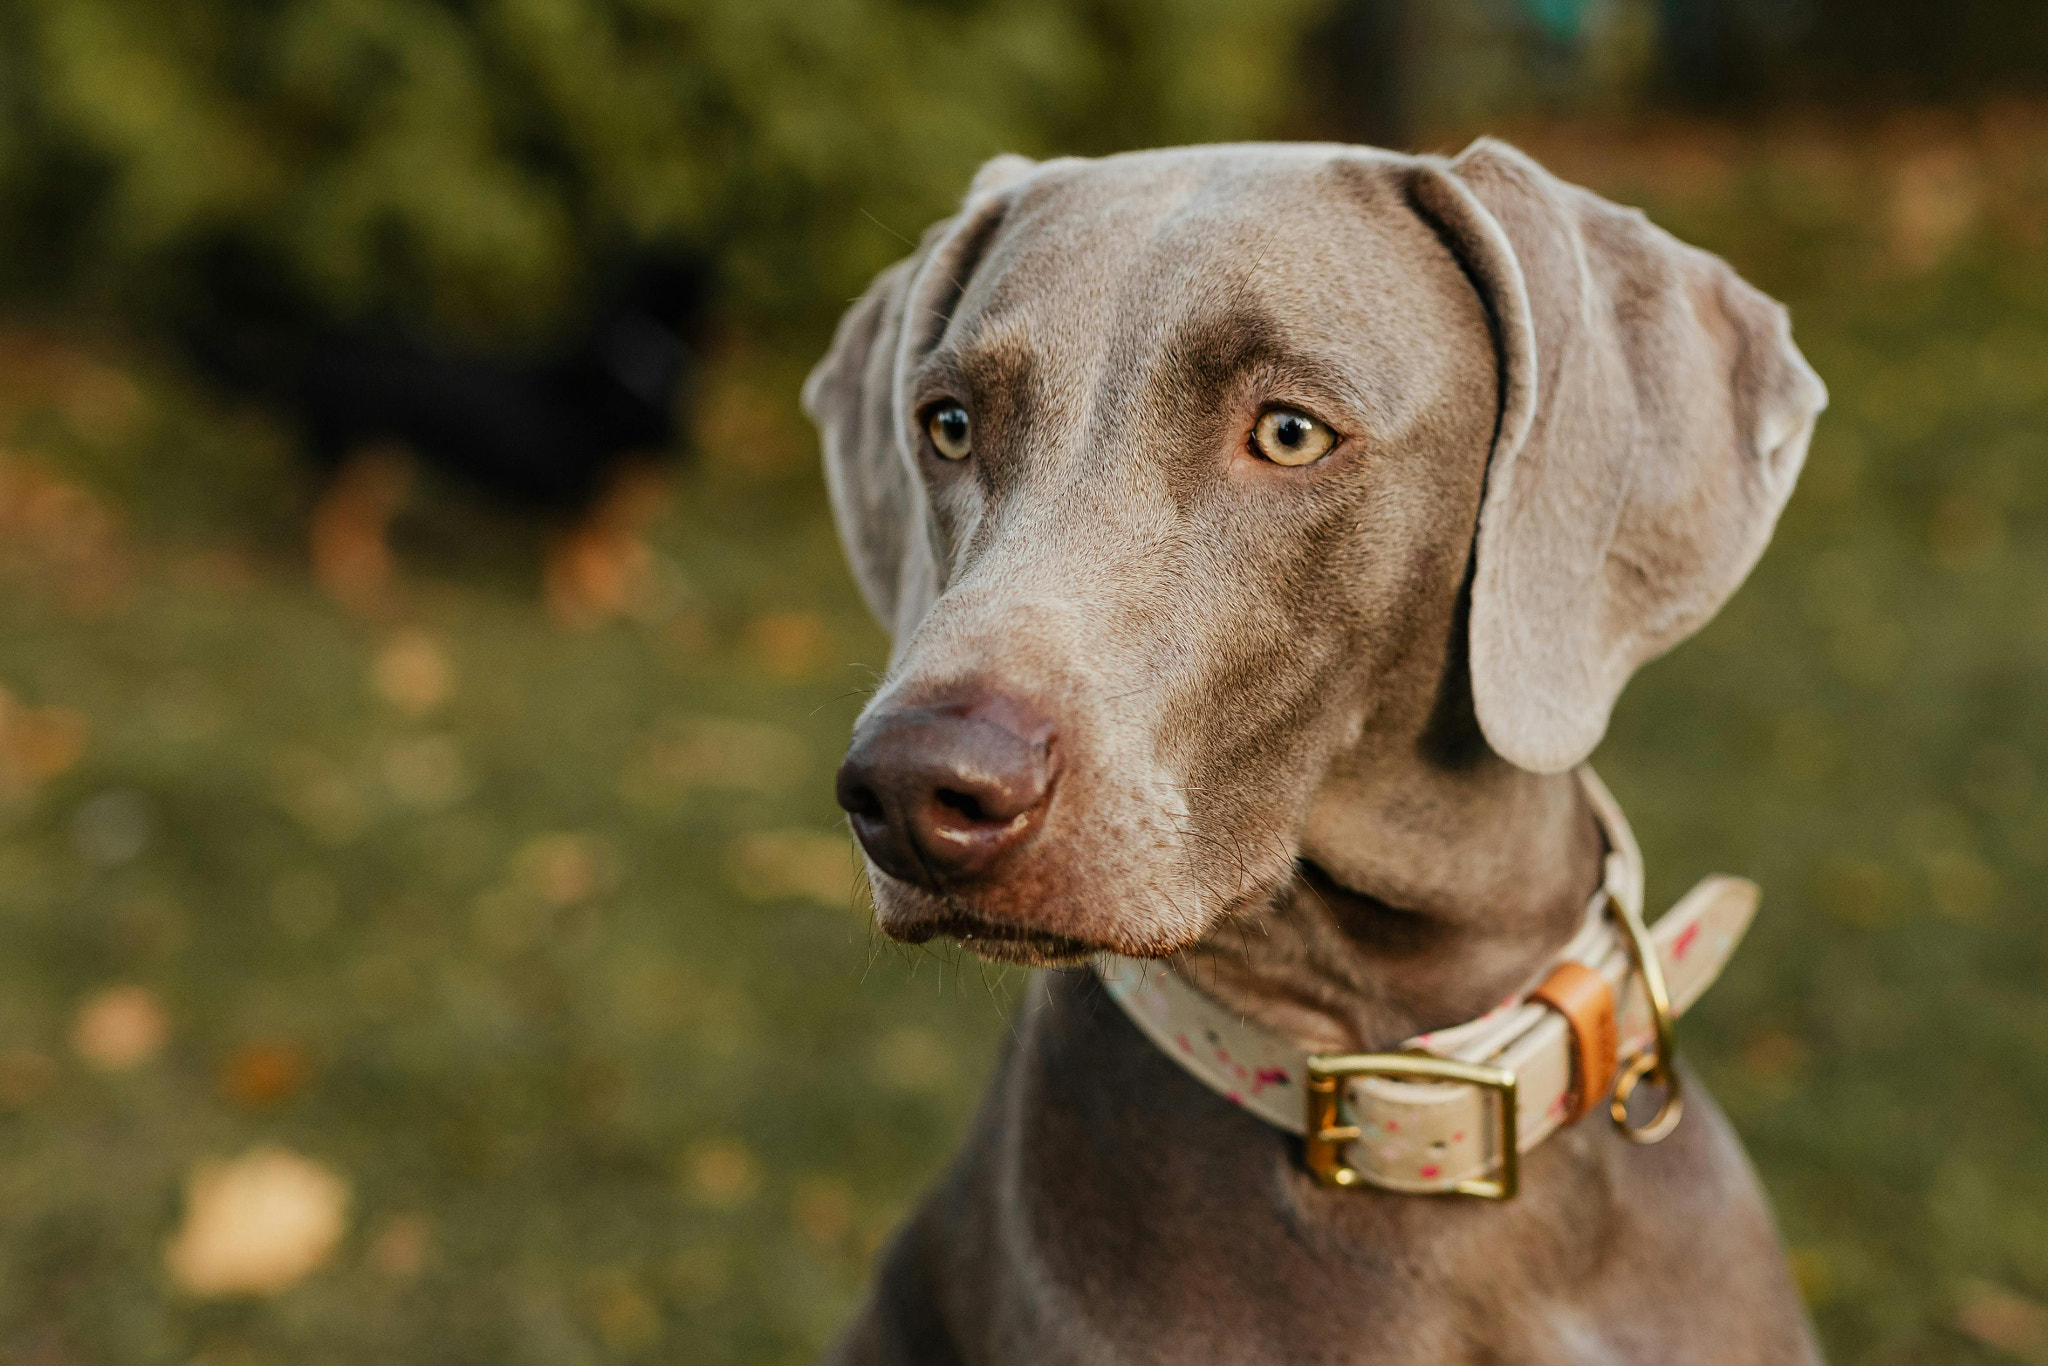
[(544, 942)]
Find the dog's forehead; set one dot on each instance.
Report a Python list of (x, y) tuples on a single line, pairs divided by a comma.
[(1128, 256), (1100, 277), (1154, 234)]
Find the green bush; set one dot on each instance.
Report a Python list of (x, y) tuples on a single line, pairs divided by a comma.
[(470, 160)]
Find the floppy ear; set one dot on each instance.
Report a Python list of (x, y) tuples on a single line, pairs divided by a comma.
[(854, 397), (874, 489), (1653, 417), (999, 172)]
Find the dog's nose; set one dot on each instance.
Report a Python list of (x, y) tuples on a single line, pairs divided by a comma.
[(938, 793)]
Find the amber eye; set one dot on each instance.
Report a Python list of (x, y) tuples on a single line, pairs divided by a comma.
[(950, 431), (1288, 437)]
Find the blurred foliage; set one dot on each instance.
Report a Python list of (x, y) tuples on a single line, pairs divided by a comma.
[(1738, 52), (1386, 70), (467, 159), (544, 950)]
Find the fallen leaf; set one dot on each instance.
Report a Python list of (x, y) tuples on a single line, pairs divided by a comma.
[(413, 672), (264, 1073), (2008, 1322), (257, 1224), (563, 869), (119, 1028), (620, 1309), (821, 1207), (794, 862), (788, 644), (721, 1173), (400, 1248), (47, 741), (25, 1075)]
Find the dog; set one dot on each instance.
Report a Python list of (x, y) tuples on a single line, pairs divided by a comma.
[(1265, 533), (572, 431)]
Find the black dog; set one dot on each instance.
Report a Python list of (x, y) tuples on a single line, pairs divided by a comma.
[(572, 430)]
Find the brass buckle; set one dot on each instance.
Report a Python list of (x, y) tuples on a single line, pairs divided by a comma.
[(1655, 1062), (1328, 1133)]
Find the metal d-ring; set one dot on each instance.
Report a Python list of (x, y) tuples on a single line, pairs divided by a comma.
[(1658, 1062)]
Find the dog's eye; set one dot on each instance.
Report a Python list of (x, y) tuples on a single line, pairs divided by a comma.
[(1288, 437), (950, 431)]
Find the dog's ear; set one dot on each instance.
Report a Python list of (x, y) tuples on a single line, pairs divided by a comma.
[(999, 173), (1653, 417), (874, 489), (855, 397)]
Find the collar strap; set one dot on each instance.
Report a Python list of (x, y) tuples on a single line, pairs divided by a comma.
[(1452, 1110)]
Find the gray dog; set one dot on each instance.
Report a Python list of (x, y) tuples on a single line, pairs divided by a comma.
[(1266, 533)]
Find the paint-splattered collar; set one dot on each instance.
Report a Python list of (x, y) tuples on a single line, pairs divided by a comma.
[(1451, 1111)]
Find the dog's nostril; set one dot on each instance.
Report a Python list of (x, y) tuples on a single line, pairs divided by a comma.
[(937, 794), (965, 803)]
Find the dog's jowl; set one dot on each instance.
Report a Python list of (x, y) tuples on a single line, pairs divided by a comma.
[(1266, 533)]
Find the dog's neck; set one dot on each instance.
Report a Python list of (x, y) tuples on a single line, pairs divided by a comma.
[(1427, 891)]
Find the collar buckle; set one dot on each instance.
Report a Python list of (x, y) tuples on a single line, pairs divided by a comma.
[(1328, 1132)]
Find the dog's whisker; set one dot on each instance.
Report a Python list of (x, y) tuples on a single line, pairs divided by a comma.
[(886, 228)]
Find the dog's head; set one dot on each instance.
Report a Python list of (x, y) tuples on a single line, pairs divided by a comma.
[(1182, 477)]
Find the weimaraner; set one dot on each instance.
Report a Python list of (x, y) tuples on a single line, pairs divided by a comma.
[(1266, 533)]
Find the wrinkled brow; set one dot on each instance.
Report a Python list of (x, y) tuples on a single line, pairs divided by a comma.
[(1208, 352), (998, 364), (1214, 352), (978, 361), (1196, 361), (997, 372)]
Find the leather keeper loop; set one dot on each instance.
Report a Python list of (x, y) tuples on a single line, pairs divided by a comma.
[(1583, 997)]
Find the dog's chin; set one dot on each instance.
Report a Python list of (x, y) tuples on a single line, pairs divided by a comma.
[(911, 915), (1037, 951), (997, 942)]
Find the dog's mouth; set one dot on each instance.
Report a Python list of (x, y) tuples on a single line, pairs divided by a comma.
[(912, 915), (1003, 943)]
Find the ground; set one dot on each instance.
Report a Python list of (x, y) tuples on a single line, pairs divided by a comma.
[(516, 975)]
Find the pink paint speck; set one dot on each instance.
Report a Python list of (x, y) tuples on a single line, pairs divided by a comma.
[(1185, 1046), (1432, 1172), (1685, 942), (1233, 1097)]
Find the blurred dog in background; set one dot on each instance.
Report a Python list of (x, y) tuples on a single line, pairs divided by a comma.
[(574, 430)]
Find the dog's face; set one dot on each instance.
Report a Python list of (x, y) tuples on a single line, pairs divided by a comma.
[(1166, 469), (1128, 546)]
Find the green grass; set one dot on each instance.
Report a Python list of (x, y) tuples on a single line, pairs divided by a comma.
[(545, 941)]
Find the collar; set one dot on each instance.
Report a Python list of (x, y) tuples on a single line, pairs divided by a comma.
[(1452, 1110)]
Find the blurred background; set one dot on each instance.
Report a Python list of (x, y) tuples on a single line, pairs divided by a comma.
[(426, 933)]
